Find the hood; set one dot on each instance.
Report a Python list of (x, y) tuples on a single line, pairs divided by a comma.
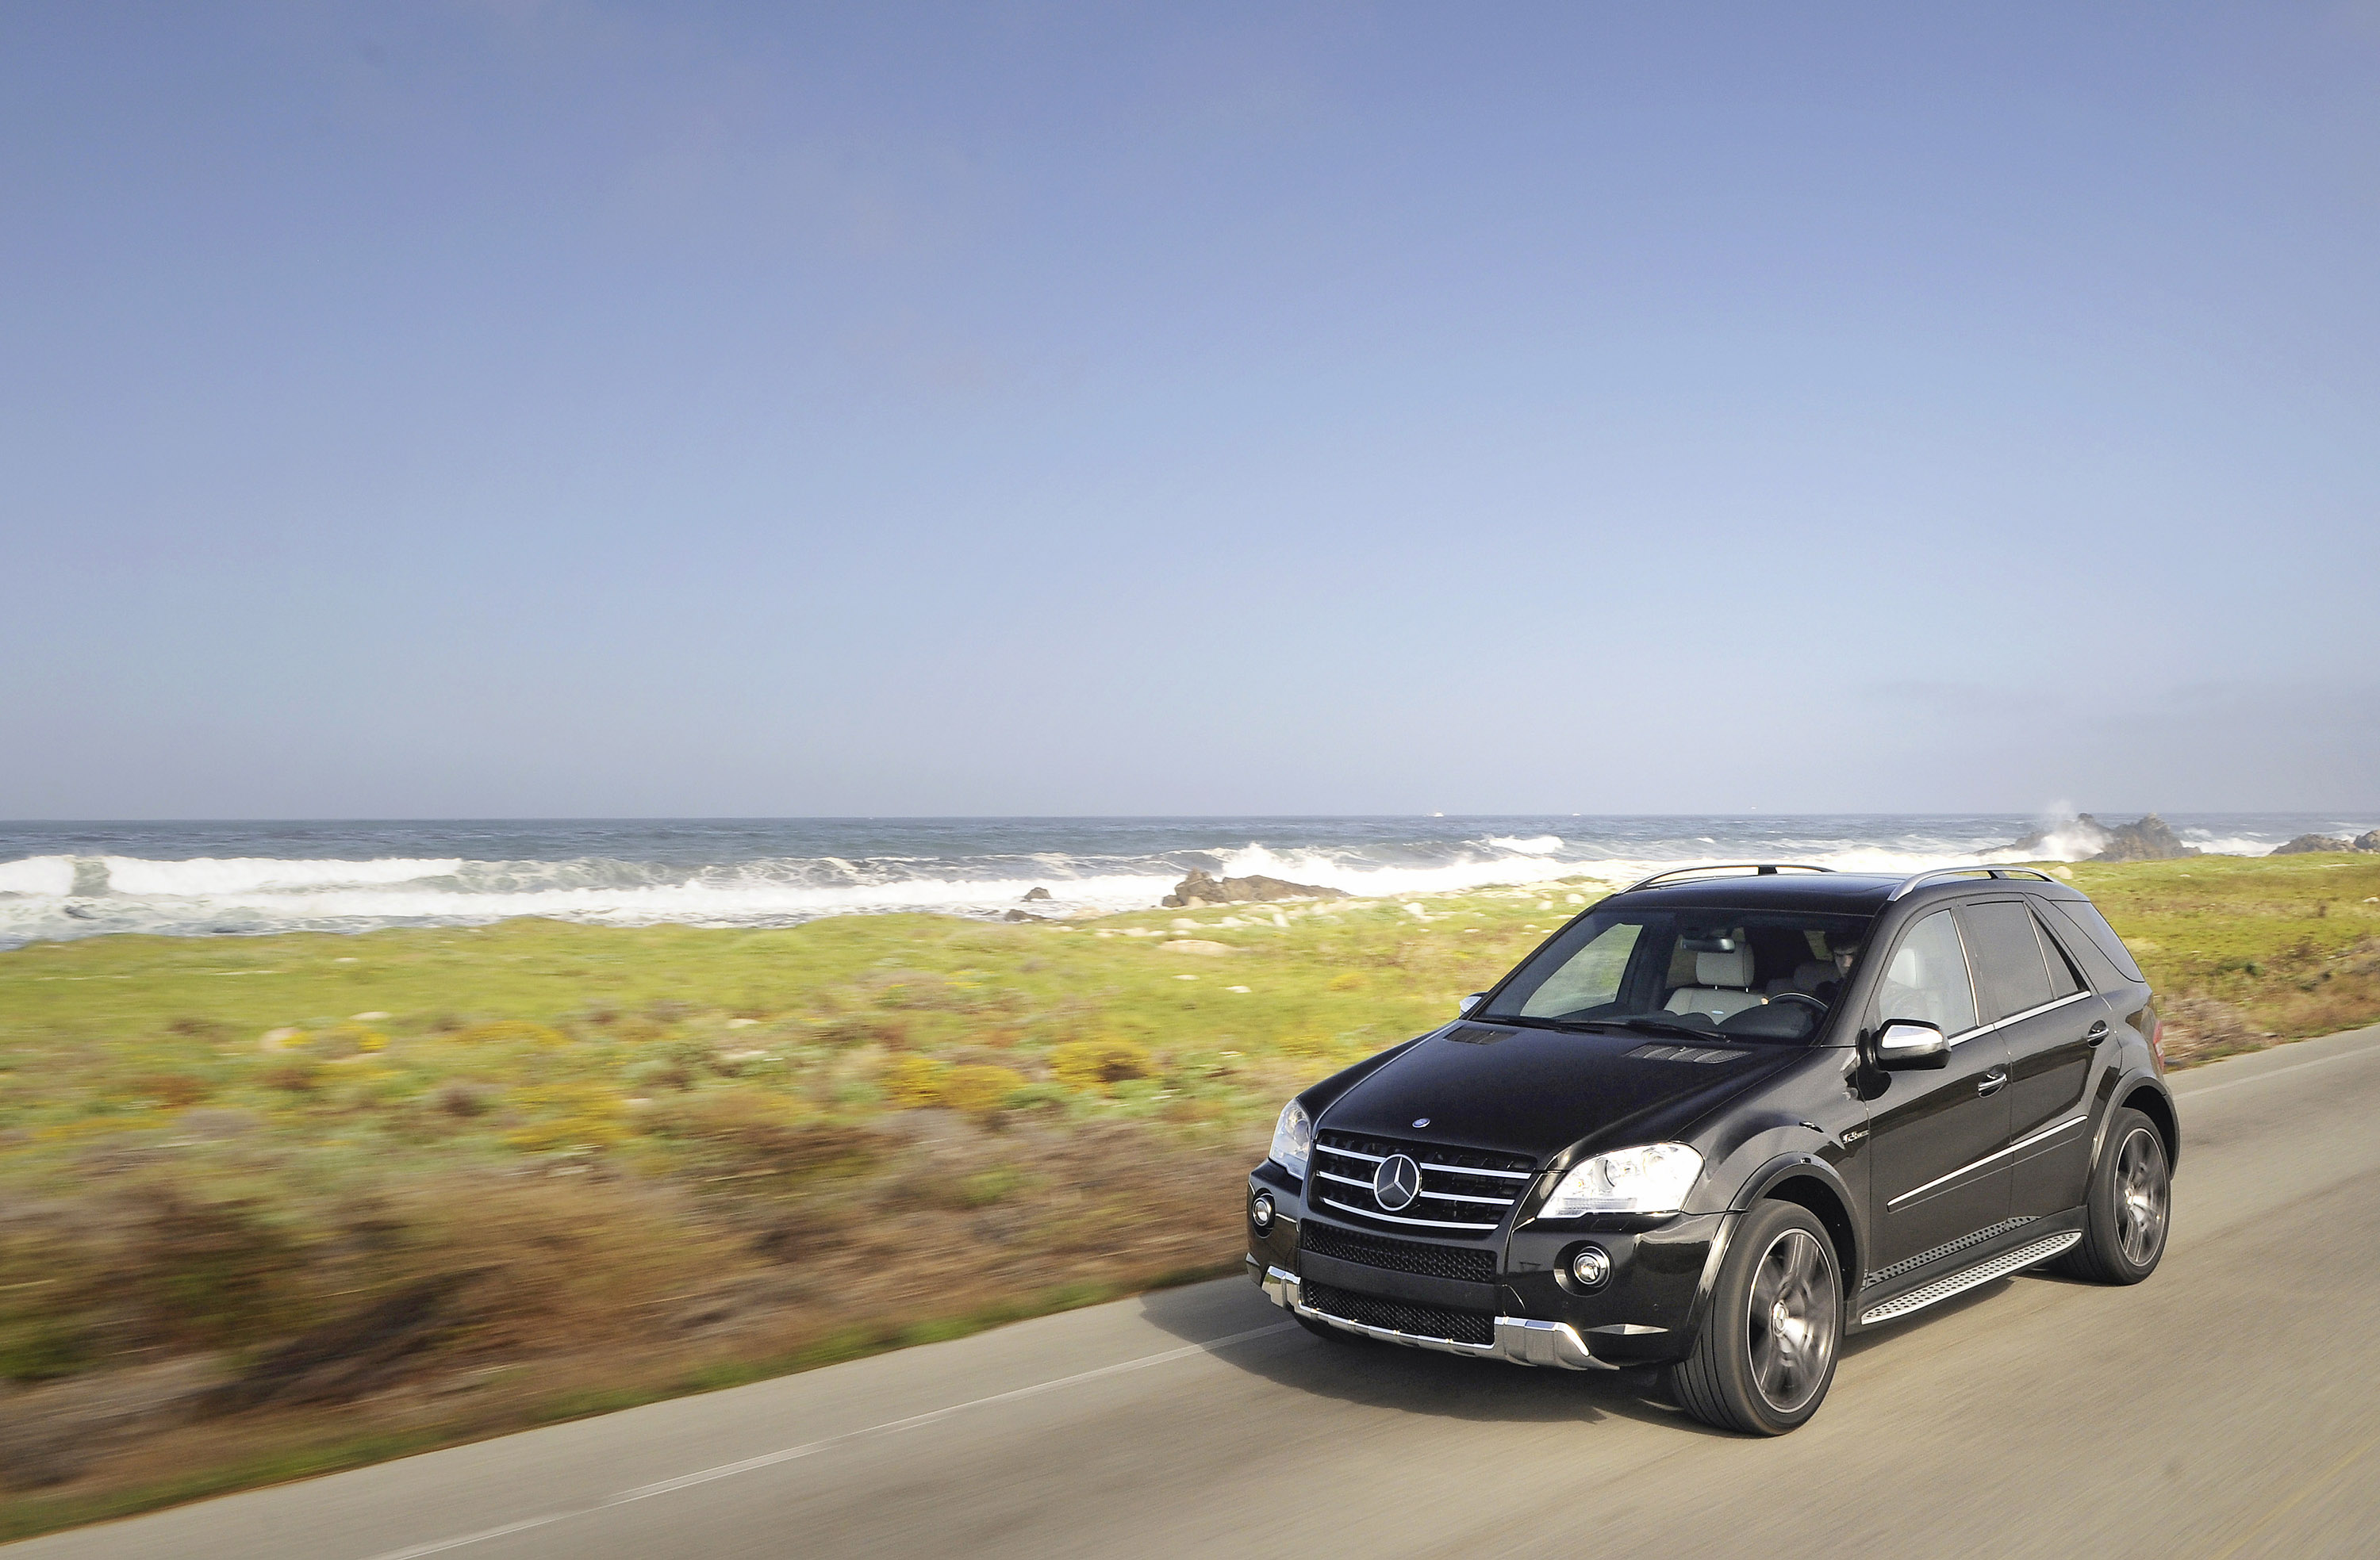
[(1535, 1091)]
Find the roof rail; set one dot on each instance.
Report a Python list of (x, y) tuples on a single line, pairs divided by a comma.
[(1758, 868), (1921, 878)]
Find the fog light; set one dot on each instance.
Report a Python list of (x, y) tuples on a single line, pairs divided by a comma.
[(1260, 1212), (1591, 1266)]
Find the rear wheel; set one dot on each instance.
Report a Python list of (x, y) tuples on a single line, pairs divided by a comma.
[(1766, 1354), (2128, 1207)]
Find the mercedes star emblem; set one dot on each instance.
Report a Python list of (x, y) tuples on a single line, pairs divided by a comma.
[(1397, 1182)]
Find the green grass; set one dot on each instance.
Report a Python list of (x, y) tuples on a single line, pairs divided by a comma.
[(606, 1137)]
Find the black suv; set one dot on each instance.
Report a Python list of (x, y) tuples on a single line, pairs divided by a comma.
[(1724, 1118)]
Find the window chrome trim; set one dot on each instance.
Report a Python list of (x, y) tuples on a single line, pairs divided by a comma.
[(2019, 1018), (2022, 1142), (1425, 1224)]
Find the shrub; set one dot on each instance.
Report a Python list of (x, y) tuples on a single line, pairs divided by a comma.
[(175, 1090), (568, 1116), (981, 1090), (209, 1275), (511, 1032), (912, 1082), (463, 1099), (1088, 1065), (298, 1076)]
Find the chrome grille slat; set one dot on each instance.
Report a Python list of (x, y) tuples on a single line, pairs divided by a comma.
[(1452, 1195), (1396, 1219), (1465, 1170)]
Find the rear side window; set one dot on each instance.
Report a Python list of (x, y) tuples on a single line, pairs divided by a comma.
[(2086, 917), (1926, 979), (2063, 981), (2010, 970)]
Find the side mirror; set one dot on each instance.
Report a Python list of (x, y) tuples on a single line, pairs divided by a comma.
[(1462, 1008), (1905, 1045)]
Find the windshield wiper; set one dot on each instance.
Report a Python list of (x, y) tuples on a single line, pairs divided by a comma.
[(1653, 1026), (1586, 1026)]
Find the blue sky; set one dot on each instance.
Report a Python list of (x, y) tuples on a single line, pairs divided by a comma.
[(521, 409)]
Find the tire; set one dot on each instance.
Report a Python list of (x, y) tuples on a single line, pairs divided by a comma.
[(1329, 1334), (2128, 1209), (1746, 1373)]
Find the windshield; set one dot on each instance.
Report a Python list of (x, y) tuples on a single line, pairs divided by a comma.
[(1741, 975)]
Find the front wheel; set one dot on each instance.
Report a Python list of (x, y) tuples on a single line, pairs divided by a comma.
[(1766, 1354), (2128, 1207)]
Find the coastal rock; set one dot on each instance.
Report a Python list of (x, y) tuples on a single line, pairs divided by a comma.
[(2368, 841), (2309, 844), (2080, 835), (1032, 894), (2083, 837), (2149, 839), (1202, 888), (1023, 915)]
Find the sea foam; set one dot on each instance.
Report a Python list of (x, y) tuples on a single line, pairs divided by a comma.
[(713, 874)]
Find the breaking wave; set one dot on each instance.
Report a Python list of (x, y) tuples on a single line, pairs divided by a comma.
[(743, 875)]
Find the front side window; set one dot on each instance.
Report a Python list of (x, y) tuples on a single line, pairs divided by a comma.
[(1927, 981)]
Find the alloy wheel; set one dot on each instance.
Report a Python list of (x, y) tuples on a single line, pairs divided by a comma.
[(1796, 1310), (2141, 1197)]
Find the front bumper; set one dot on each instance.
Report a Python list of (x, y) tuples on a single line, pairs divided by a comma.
[(1520, 1340)]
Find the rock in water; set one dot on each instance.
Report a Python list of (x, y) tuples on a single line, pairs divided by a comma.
[(1022, 916), (2148, 840), (1032, 894), (1202, 888), (2081, 834), (2308, 844)]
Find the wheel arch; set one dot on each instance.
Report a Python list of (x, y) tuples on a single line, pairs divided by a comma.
[(1811, 1183), (2151, 1098)]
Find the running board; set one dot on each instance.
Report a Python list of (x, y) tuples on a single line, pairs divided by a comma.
[(1960, 1283)]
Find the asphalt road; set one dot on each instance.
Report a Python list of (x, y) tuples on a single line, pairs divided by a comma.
[(2229, 1406)]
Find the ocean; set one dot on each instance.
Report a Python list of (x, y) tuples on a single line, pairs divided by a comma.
[(63, 880)]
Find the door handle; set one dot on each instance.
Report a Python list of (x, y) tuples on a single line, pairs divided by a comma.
[(1989, 1083), (2097, 1033)]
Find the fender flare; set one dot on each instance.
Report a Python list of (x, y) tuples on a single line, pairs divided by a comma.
[(2129, 1084), (1755, 1187)]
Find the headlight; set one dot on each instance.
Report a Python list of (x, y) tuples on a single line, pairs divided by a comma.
[(1634, 1180), (1292, 1140)]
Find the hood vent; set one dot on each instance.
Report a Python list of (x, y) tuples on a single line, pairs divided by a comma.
[(1683, 1053)]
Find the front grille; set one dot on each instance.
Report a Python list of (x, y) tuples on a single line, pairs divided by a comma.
[(1465, 1262), (1415, 1321), (1465, 1192)]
